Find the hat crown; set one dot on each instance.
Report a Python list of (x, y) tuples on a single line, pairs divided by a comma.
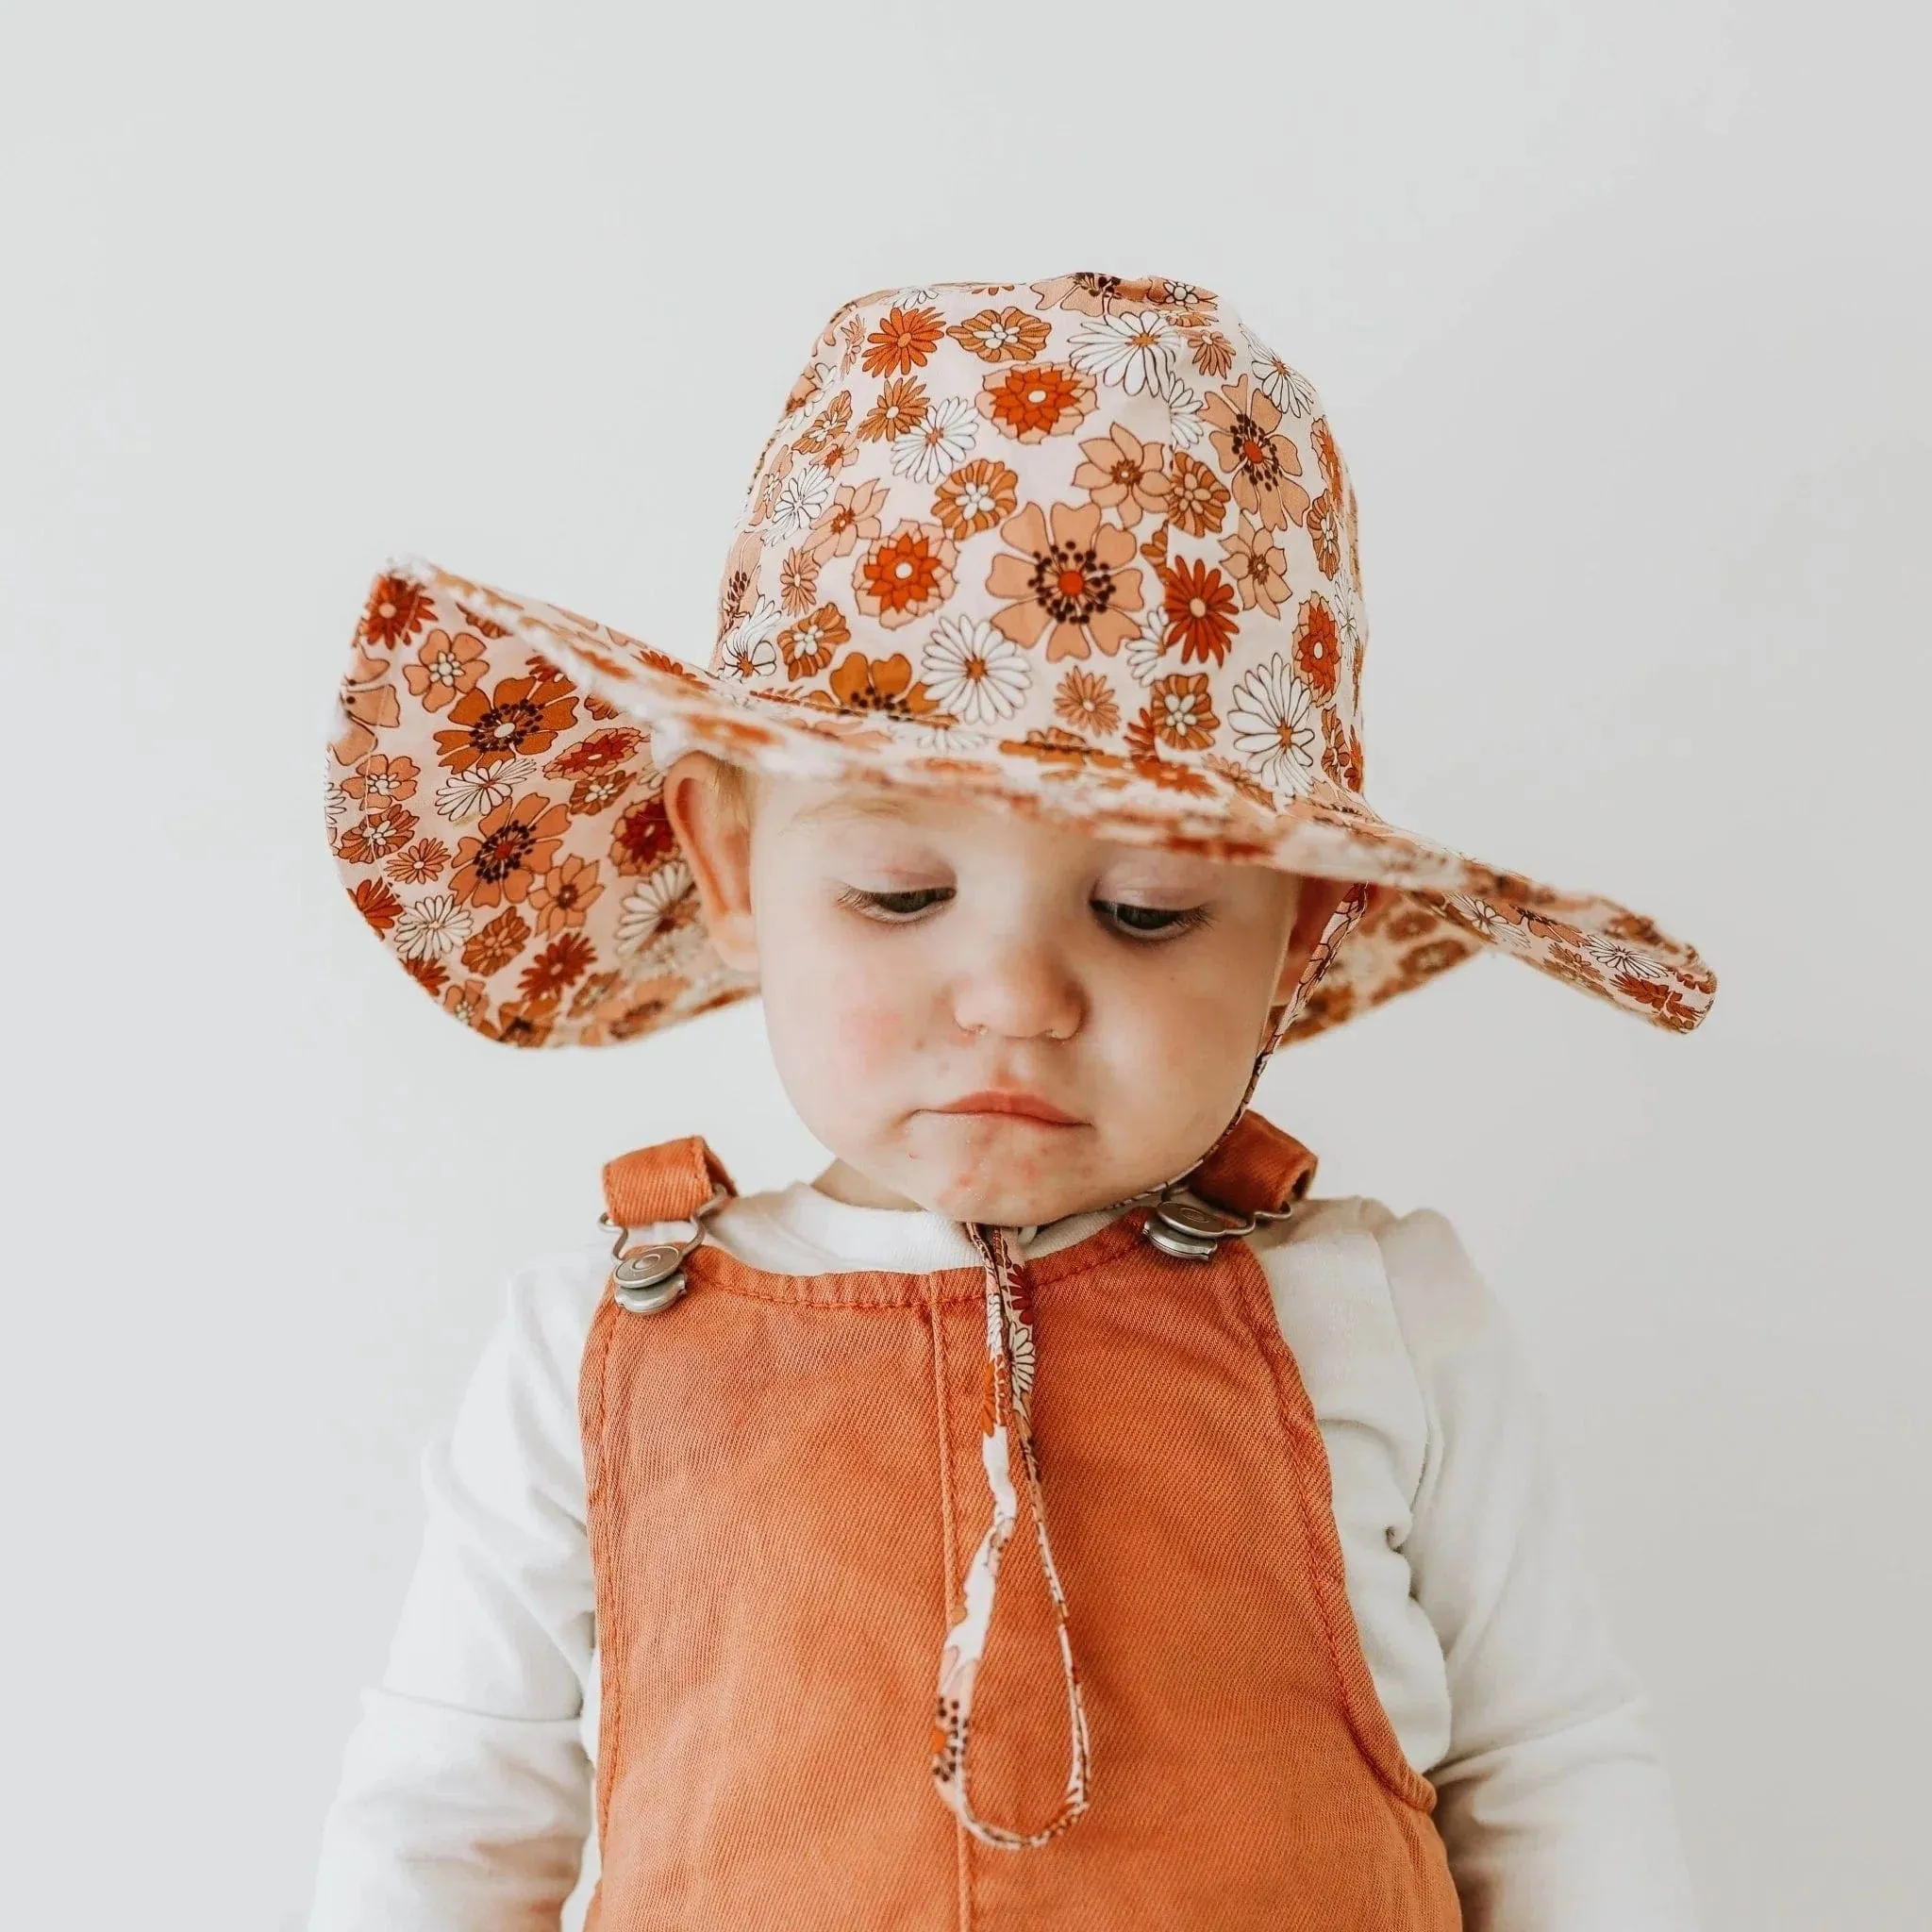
[(1093, 517)]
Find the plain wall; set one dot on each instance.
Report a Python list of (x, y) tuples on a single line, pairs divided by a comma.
[(1619, 314)]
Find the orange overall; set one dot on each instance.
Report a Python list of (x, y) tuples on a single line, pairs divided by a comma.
[(781, 1499)]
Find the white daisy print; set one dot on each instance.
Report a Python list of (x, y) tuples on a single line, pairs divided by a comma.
[(481, 788), (1618, 956), (938, 444), (1185, 423), (974, 672), (1275, 728), (748, 651), (335, 802), (433, 927), (653, 911), (802, 498), (1143, 652), (1287, 388), (1134, 351)]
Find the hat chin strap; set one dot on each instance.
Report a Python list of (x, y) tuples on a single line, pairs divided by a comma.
[(1009, 1351), (1341, 921)]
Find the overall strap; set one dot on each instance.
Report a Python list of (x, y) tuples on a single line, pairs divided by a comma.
[(668, 1182), (1254, 1168)]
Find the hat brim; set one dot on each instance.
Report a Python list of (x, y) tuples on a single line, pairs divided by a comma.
[(609, 943)]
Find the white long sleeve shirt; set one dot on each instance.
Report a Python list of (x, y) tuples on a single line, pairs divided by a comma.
[(466, 1798)]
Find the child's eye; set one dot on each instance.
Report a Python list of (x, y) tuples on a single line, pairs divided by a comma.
[(1149, 922), (895, 908)]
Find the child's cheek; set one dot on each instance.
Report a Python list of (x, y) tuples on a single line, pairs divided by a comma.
[(866, 1029)]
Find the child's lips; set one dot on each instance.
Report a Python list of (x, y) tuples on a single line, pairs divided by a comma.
[(1011, 1103)]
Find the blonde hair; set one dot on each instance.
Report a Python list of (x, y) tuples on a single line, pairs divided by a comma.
[(733, 786)]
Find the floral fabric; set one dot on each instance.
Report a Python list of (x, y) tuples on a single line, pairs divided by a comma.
[(1084, 547)]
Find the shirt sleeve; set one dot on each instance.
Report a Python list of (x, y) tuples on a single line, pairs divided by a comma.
[(1552, 1801), (465, 1794)]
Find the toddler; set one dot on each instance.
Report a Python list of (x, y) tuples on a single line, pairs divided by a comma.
[(1053, 1514)]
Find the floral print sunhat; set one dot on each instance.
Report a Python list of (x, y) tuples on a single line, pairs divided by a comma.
[(1082, 547)]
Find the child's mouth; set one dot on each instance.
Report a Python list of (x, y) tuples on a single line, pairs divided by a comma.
[(1011, 1105)]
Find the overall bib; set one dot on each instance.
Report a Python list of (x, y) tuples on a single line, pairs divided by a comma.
[(782, 1501)]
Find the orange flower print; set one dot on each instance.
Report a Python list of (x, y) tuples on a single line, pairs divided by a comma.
[(1322, 440), (1342, 750), (905, 574), (1085, 294), (1317, 652), (1211, 352), (512, 850), (559, 966), (1262, 466), (489, 951), (642, 837), (880, 683), (1196, 503), (1200, 610), (902, 343), (1181, 711), (798, 581), (396, 610), (379, 780), (601, 751), (522, 718), (1085, 702), (519, 1022), (808, 644), (1002, 335), (853, 336), (851, 518), (1324, 532), (445, 668), (900, 406), (377, 902), (430, 975), (1255, 563), (378, 836), (739, 587), (599, 791), (830, 423), (974, 497), (481, 625), (1079, 579), (1123, 475), (468, 1002), (1037, 400), (564, 893), (419, 863)]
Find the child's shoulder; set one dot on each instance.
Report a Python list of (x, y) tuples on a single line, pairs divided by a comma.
[(1416, 1261)]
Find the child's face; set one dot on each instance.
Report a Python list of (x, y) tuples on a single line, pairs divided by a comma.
[(996, 1019)]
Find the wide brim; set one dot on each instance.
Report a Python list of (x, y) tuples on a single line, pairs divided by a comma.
[(635, 956)]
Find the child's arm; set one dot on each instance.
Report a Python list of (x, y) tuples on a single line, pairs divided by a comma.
[(1554, 1802), (465, 1793)]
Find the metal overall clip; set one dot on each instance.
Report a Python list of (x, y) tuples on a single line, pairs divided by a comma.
[(1191, 1229), (647, 1280)]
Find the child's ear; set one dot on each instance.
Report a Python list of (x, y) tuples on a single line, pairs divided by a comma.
[(715, 832), (1315, 907)]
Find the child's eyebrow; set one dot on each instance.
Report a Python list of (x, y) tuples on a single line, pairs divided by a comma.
[(858, 805)]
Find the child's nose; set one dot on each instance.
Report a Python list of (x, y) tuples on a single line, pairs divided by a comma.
[(1020, 992)]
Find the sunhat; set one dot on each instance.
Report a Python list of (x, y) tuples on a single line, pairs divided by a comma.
[(1083, 547)]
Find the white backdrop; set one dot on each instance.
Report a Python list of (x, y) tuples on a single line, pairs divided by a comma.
[(1618, 308)]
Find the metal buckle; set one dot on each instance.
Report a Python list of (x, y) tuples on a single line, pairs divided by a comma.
[(1191, 1229), (647, 1280)]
